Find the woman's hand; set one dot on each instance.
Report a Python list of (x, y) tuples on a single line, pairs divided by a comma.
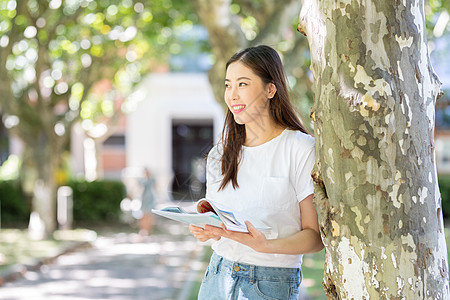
[(203, 234), (254, 238), (307, 240)]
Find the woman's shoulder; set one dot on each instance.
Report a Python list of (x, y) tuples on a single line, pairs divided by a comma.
[(215, 152), (298, 138), (302, 147)]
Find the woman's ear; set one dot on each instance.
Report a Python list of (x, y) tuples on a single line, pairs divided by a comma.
[(271, 89)]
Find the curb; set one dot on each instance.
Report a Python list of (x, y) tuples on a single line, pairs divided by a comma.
[(20, 270)]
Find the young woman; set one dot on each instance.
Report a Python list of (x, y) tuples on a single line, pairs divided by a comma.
[(263, 167), (146, 222)]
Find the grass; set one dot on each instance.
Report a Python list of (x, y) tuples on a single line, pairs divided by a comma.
[(18, 249), (312, 268)]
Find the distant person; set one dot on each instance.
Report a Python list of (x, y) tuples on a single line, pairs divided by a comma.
[(262, 166), (146, 222)]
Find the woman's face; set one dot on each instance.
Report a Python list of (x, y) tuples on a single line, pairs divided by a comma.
[(246, 95)]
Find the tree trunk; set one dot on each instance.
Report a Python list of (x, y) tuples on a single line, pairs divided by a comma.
[(41, 159), (40, 164), (376, 182)]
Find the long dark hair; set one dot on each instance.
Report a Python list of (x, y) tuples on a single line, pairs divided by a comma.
[(265, 62)]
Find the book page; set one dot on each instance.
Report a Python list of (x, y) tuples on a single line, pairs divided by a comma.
[(200, 220), (234, 220), (204, 206), (213, 213)]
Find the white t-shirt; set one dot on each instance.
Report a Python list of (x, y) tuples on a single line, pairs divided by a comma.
[(273, 178)]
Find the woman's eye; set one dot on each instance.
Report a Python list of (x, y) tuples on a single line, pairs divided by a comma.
[(227, 85), (242, 84)]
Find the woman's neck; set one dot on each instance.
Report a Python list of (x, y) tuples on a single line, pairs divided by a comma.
[(259, 134)]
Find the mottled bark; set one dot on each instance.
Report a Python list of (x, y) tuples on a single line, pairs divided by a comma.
[(376, 180)]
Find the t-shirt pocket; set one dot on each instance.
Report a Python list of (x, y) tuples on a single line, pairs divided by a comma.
[(276, 193)]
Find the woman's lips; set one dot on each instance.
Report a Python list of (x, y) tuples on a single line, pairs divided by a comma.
[(238, 108)]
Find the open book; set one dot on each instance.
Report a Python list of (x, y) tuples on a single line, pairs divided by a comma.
[(212, 213)]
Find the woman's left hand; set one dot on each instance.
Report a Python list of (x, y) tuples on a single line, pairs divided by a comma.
[(254, 238)]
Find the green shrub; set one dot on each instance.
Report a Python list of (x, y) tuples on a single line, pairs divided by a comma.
[(97, 200), (444, 187), (14, 207)]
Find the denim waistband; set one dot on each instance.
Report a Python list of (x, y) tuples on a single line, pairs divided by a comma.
[(255, 272)]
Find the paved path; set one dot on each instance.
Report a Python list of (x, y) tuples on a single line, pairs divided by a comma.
[(117, 267)]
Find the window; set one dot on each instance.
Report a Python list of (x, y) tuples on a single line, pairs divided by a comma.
[(191, 142), (115, 141)]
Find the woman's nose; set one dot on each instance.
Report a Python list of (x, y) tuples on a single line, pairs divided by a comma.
[(234, 93)]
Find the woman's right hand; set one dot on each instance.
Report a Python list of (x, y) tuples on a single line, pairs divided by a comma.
[(201, 234)]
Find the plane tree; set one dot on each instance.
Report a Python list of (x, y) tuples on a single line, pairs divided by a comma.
[(376, 185), (63, 62)]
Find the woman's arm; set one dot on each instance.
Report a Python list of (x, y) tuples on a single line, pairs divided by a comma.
[(305, 241)]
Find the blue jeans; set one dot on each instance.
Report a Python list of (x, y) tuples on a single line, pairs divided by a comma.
[(227, 280)]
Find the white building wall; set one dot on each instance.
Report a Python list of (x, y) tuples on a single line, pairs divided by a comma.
[(443, 154), (77, 150), (15, 146)]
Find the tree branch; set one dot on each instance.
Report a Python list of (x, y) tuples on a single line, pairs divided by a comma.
[(261, 12), (216, 17), (281, 17), (5, 79)]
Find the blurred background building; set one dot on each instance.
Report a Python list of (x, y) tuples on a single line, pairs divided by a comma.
[(170, 130)]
